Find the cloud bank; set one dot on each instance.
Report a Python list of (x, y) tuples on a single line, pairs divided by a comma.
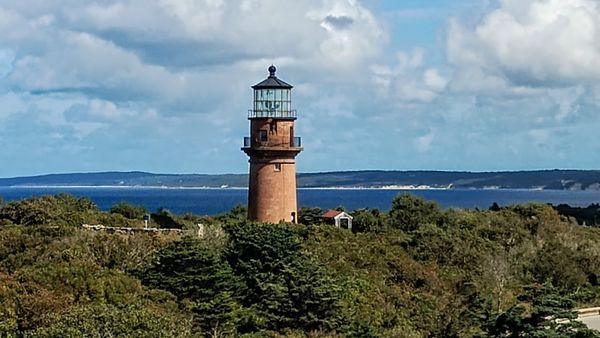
[(164, 85)]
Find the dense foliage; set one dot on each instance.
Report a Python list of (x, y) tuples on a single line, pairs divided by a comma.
[(589, 215), (416, 271), (128, 210)]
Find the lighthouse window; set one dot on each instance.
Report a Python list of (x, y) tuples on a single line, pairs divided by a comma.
[(272, 102), (263, 136), (278, 167)]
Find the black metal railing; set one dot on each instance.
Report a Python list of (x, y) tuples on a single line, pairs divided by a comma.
[(296, 142), (273, 114)]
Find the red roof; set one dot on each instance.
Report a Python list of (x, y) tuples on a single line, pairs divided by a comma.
[(331, 213)]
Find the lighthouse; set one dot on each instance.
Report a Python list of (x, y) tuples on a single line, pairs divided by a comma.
[(272, 148)]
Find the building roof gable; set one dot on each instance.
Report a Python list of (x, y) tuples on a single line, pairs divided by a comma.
[(331, 213)]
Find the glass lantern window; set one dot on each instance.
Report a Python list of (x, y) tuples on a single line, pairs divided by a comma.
[(272, 102)]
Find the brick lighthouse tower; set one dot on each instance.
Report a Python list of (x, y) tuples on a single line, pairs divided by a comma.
[(272, 148)]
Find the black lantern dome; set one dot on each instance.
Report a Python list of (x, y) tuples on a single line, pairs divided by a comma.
[(272, 81)]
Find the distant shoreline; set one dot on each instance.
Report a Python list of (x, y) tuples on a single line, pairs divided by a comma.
[(568, 180), (391, 188)]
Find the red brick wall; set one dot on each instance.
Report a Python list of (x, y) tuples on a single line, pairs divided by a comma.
[(272, 194), (278, 132)]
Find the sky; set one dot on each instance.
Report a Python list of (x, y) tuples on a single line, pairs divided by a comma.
[(164, 85)]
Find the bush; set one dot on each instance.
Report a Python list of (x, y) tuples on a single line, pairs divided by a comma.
[(542, 312), (61, 209), (105, 320), (238, 214), (310, 216), (553, 254), (128, 211), (409, 212), (368, 220), (453, 273), (165, 219)]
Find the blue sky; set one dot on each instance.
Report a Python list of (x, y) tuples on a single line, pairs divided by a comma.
[(164, 86)]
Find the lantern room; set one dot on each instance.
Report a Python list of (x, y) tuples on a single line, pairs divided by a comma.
[(272, 99)]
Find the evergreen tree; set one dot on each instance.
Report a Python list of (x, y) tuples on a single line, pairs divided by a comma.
[(543, 312), (201, 279), (310, 216), (285, 288)]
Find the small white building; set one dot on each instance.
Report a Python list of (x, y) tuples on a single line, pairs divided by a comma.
[(340, 219)]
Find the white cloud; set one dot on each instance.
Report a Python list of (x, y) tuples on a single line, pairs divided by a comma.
[(86, 63), (168, 51), (11, 104), (352, 33), (540, 136), (537, 43), (194, 33), (94, 73), (408, 80), (538, 60), (7, 57), (423, 143), (119, 77), (433, 80)]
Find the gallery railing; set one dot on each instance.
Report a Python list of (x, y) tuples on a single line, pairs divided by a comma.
[(273, 114), (296, 142)]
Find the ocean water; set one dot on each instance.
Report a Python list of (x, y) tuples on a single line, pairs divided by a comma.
[(214, 201)]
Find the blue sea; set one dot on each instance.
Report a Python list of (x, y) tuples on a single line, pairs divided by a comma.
[(214, 201)]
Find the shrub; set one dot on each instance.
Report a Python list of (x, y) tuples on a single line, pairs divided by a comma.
[(409, 212), (165, 219), (61, 209), (310, 216), (105, 320), (368, 220), (558, 263), (128, 211), (550, 314)]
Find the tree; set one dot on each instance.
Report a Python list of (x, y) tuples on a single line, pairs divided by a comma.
[(105, 320), (165, 219), (200, 278), (557, 263), (61, 209), (495, 207), (409, 212), (238, 214), (310, 216), (285, 288), (551, 314), (368, 220)]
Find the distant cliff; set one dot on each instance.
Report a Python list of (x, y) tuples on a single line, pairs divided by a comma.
[(544, 179)]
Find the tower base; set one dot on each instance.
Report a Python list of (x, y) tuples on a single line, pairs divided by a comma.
[(272, 190)]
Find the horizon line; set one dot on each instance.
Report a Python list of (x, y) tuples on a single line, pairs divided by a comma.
[(299, 173)]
